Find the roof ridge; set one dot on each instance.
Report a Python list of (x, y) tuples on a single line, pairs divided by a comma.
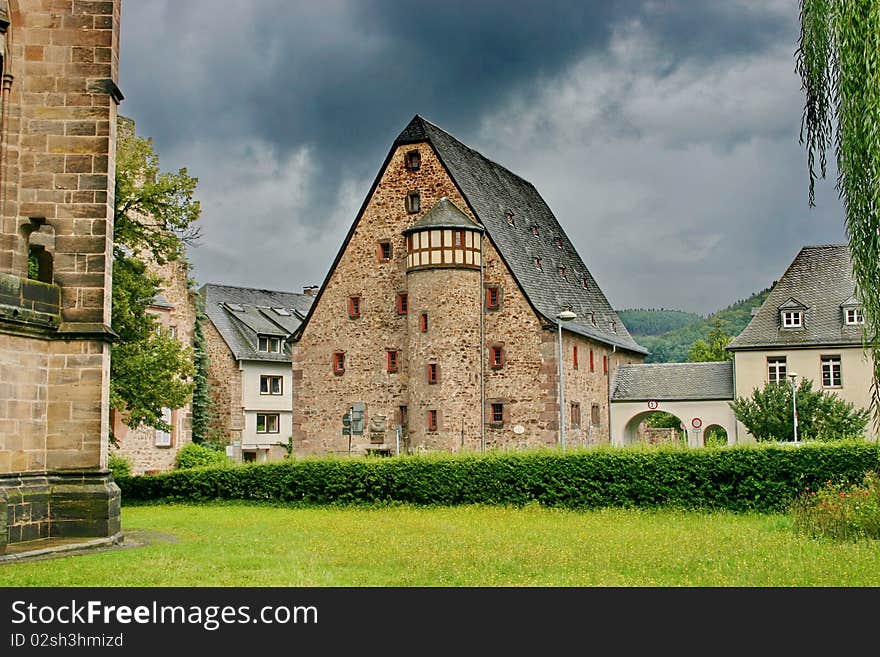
[(254, 289)]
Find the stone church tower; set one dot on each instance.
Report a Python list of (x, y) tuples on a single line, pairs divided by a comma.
[(437, 320), (60, 62)]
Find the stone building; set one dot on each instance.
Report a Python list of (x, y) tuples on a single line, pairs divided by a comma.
[(151, 450), (249, 366), (59, 96), (438, 316)]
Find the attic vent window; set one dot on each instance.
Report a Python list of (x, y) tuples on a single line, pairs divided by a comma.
[(537, 263), (854, 316), (792, 319), (593, 319), (585, 283), (284, 312), (535, 230), (558, 242), (509, 216), (562, 272), (614, 327), (413, 202), (413, 160)]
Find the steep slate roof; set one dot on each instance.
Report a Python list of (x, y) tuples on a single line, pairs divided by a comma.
[(240, 314), (820, 278), (491, 191), (673, 381)]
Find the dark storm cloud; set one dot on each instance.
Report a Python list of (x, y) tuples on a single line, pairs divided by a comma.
[(285, 110)]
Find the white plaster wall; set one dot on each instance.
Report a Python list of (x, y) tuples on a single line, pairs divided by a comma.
[(709, 412)]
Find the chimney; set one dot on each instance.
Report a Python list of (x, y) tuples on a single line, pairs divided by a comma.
[(311, 290)]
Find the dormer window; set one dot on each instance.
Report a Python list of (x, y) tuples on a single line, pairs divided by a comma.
[(509, 216), (562, 271), (792, 319), (853, 316), (537, 263), (614, 327), (413, 160), (413, 202), (269, 344), (593, 319), (535, 230)]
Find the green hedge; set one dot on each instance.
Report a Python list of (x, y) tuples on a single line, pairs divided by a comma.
[(747, 478)]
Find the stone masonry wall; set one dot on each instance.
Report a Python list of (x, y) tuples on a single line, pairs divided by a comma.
[(526, 385), (224, 380)]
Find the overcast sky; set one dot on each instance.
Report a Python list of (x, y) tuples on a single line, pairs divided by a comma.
[(662, 134)]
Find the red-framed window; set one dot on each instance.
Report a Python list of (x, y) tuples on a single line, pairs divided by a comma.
[(339, 362), (592, 362), (493, 298), (402, 303), (423, 322), (432, 420), (605, 364), (574, 356), (433, 372), (354, 307), (496, 413), (575, 415), (391, 359), (385, 252), (496, 357)]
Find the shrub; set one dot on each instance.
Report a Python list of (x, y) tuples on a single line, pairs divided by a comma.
[(766, 478), (840, 511), (822, 415), (195, 455), (119, 465)]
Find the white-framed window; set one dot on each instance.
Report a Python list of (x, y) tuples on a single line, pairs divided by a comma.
[(776, 369), (269, 344), (854, 316), (831, 372), (163, 438), (271, 384), (172, 332), (792, 319), (268, 422)]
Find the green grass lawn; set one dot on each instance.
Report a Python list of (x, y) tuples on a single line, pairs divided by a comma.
[(253, 545)]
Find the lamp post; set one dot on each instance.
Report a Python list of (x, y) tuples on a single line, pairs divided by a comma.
[(793, 376), (565, 316)]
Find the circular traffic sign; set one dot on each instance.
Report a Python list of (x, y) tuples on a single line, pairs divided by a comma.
[(696, 423), (653, 404)]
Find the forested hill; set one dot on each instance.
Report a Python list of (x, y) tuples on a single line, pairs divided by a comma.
[(673, 344)]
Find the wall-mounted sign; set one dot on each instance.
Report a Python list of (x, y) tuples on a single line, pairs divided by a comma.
[(696, 423), (519, 429), (653, 404)]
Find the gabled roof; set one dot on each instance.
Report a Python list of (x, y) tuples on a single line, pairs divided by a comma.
[(792, 304), (819, 278), (241, 314), (851, 302), (673, 381), (490, 191)]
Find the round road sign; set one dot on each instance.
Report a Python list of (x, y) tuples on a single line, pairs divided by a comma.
[(653, 404), (696, 423)]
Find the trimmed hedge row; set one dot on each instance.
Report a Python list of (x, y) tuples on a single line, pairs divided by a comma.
[(747, 478)]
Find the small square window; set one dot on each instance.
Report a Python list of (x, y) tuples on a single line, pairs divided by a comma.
[(432, 420), (354, 307), (854, 316), (391, 358), (423, 322), (413, 160), (271, 385), (268, 422), (402, 303), (385, 251), (496, 413), (792, 319), (339, 362), (269, 344), (496, 358), (413, 202), (493, 298)]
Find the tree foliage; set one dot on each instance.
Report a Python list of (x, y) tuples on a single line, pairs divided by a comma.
[(149, 369), (713, 347), (838, 59), (769, 414)]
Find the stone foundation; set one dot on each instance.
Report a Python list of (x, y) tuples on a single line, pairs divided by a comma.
[(61, 505)]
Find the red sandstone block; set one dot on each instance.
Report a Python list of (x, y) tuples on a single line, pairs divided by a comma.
[(37, 180), (77, 22), (76, 100), (66, 181), (33, 53), (103, 55), (78, 163), (50, 196), (77, 144), (101, 7), (38, 209), (39, 127), (66, 84), (80, 128), (38, 84), (82, 197), (82, 54), (93, 181)]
